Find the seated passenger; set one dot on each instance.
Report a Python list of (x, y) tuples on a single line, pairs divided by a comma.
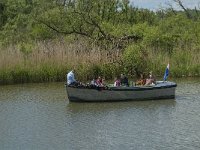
[(99, 82), (93, 83), (151, 80), (141, 81), (124, 80), (117, 82)]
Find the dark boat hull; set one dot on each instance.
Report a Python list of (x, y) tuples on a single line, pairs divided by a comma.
[(162, 90)]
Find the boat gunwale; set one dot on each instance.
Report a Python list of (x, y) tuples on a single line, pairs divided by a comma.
[(131, 88)]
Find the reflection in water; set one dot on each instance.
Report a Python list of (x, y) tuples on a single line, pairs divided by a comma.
[(112, 106), (39, 116), (126, 122)]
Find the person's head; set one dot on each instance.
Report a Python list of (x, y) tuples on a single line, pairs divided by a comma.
[(150, 74), (72, 71), (122, 75)]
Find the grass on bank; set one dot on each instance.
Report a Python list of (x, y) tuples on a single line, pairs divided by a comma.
[(49, 62)]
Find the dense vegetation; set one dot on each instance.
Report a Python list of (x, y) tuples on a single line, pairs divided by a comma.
[(40, 40)]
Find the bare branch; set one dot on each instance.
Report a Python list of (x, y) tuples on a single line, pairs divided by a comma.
[(183, 7), (129, 37), (89, 20), (56, 29), (171, 8), (197, 12)]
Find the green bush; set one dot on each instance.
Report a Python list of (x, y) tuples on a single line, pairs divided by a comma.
[(136, 60)]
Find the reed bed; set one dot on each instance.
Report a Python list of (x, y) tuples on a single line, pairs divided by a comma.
[(51, 60), (184, 61)]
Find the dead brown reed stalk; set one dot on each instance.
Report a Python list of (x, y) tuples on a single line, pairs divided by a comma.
[(58, 53)]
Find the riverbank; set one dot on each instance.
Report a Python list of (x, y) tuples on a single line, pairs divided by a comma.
[(41, 41), (49, 62)]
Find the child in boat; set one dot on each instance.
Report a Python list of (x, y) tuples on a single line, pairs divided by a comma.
[(117, 82)]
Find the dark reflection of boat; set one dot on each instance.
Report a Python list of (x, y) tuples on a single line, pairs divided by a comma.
[(153, 105), (162, 90)]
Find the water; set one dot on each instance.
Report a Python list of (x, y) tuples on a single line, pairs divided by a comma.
[(39, 116)]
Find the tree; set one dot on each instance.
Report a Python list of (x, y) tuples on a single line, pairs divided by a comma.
[(3, 17), (93, 19)]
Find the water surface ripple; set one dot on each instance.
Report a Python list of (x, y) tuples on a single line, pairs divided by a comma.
[(39, 116)]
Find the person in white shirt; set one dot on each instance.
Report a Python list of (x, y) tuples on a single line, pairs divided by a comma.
[(151, 80), (117, 82), (70, 78)]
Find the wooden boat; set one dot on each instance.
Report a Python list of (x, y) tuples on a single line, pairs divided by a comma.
[(161, 90)]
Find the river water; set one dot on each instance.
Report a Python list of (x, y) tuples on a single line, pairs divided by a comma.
[(40, 117)]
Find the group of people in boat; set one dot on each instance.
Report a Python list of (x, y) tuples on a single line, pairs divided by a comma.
[(121, 80), (150, 80), (95, 83)]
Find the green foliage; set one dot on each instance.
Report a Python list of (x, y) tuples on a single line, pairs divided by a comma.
[(107, 24), (43, 73), (25, 48), (110, 71), (109, 20), (17, 21), (91, 71), (41, 32), (135, 59)]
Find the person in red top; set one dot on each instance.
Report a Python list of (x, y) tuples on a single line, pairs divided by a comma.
[(99, 81)]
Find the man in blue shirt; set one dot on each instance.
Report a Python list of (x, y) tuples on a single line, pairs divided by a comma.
[(70, 78)]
